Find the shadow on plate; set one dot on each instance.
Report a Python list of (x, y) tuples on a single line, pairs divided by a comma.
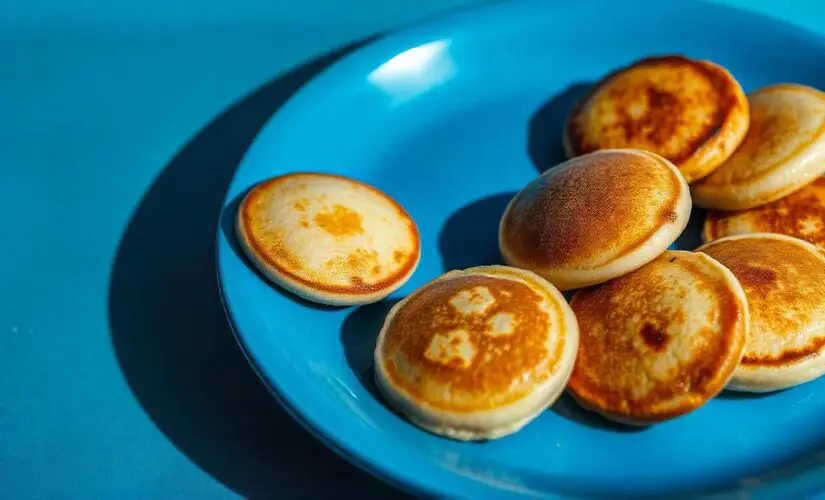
[(568, 294), (173, 342), (547, 126), (691, 237), (227, 226), (470, 235), (359, 333), (567, 407)]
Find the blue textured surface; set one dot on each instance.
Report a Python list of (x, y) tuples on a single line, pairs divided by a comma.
[(121, 124)]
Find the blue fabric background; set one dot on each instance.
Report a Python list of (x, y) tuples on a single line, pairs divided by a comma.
[(121, 123)]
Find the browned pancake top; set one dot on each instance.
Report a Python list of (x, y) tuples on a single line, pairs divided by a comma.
[(785, 285), (669, 105), (473, 342), (660, 341), (592, 210), (800, 214)]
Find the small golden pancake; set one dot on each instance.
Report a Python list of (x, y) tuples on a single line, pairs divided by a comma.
[(692, 112), (784, 280), (661, 341), (327, 238), (477, 354), (783, 151), (595, 217), (800, 214)]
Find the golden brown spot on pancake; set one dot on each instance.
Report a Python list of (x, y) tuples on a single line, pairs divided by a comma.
[(301, 205), (618, 374), (340, 221), (398, 256), (285, 256), (653, 337), (361, 259), (497, 362), (304, 223), (785, 286), (800, 214), (592, 210), (755, 278), (376, 270), (787, 356), (654, 119), (669, 105), (669, 215)]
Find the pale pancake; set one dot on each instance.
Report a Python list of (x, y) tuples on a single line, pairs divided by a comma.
[(783, 151), (691, 112), (595, 217), (784, 280), (800, 214), (477, 354), (661, 341), (327, 238)]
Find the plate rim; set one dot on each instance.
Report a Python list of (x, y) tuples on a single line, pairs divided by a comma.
[(789, 476)]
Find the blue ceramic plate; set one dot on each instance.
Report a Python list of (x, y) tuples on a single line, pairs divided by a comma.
[(451, 117)]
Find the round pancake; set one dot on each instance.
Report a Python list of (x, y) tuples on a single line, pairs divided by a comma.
[(783, 151), (691, 112), (328, 239), (784, 280), (595, 217), (661, 341), (800, 214), (477, 354)]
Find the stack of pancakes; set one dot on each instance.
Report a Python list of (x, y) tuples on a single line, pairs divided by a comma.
[(650, 333)]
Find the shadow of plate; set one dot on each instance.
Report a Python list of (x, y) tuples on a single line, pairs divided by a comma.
[(173, 342)]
